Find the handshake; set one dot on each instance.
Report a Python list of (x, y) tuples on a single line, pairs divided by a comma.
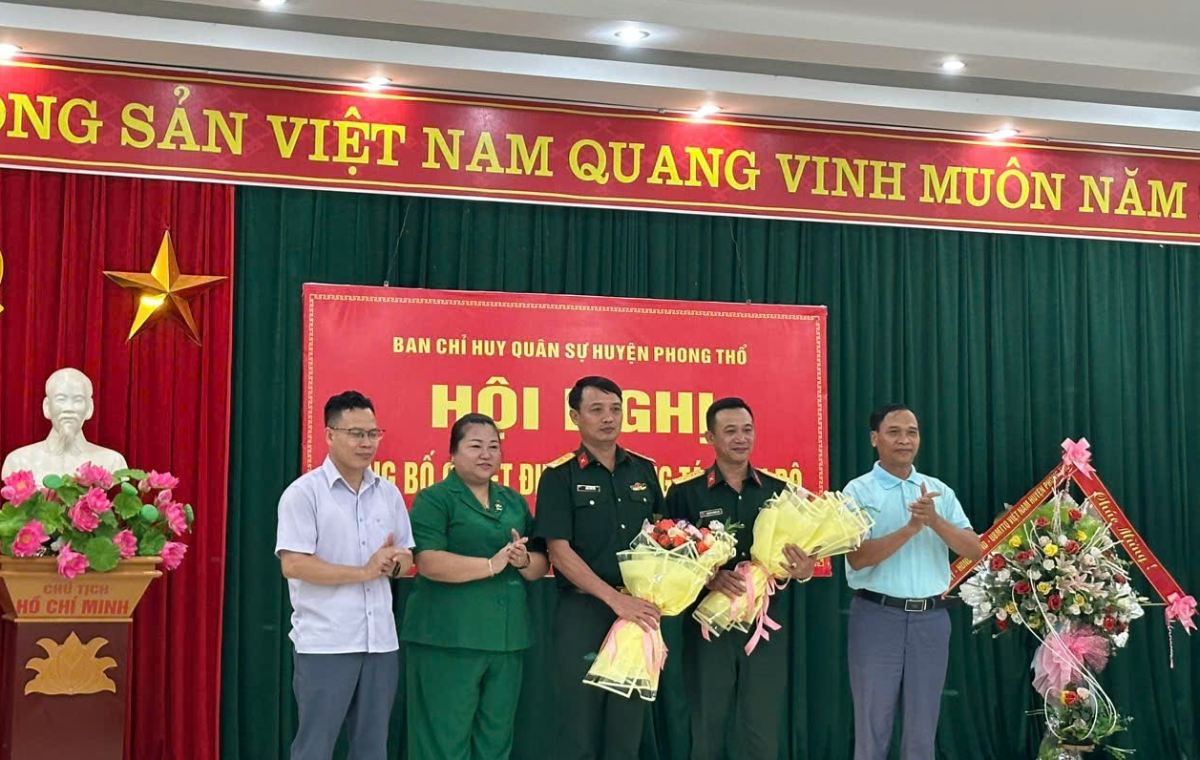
[(389, 559)]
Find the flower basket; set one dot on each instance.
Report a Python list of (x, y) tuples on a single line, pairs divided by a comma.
[(93, 520), (32, 589)]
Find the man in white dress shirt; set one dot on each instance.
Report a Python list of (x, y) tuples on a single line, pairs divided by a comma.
[(343, 532)]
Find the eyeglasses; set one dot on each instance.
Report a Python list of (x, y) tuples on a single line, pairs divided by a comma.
[(358, 434)]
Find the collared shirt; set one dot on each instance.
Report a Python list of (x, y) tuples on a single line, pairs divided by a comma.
[(707, 496), (320, 514), (490, 614), (597, 511), (921, 567)]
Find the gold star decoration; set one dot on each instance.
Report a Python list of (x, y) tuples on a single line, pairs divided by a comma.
[(164, 291)]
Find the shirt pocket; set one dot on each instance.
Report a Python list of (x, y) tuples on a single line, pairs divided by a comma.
[(593, 515), (380, 522), (640, 502)]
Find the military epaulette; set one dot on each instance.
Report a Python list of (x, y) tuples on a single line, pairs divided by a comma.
[(561, 460), (642, 456), (769, 474), (686, 478)]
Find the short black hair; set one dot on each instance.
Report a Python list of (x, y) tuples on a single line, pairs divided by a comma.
[(720, 405), (344, 402), (575, 397), (883, 411), (459, 429)]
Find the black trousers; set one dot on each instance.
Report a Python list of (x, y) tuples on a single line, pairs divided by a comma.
[(593, 724), (737, 700)]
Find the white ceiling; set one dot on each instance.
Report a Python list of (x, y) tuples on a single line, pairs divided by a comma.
[(1098, 70)]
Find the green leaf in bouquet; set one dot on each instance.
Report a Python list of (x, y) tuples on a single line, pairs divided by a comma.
[(129, 488), (53, 482), (12, 519), (102, 554), (106, 530), (151, 543), (107, 517), (51, 515), (127, 505), (129, 473), (69, 493), (191, 516), (149, 513)]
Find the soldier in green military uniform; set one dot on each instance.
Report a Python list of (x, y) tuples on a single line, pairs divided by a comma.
[(467, 622), (591, 503), (736, 700)]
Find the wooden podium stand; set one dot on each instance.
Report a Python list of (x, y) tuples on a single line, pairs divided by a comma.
[(64, 666)]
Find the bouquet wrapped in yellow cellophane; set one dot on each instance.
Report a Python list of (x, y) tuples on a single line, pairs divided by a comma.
[(667, 564), (821, 526)]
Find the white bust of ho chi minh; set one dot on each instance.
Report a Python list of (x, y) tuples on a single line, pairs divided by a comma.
[(68, 405)]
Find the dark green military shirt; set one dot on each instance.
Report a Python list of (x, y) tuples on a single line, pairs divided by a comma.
[(489, 614), (706, 496), (597, 511)]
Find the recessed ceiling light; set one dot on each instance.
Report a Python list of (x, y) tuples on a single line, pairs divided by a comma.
[(631, 35), (271, 3), (8, 50), (707, 109), (953, 65), (377, 81), (1004, 133)]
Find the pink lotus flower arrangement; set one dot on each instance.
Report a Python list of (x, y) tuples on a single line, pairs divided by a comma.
[(93, 519)]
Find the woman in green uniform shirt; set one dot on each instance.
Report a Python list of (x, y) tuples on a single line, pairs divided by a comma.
[(467, 622)]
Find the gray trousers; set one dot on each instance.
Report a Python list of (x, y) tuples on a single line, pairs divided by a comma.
[(895, 655), (353, 689)]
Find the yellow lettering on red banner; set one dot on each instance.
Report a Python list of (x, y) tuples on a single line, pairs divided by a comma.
[(588, 160), (284, 143), (635, 161), (485, 152), (1099, 193), (744, 178), (665, 164), (91, 125), (178, 133), (437, 145), (522, 160), (137, 118)]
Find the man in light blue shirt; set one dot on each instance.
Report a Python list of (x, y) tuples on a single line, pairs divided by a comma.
[(899, 632), (343, 531)]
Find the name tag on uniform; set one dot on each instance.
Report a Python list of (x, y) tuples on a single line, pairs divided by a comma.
[(585, 488), (707, 513)]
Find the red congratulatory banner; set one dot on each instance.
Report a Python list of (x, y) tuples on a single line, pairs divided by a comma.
[(426, 357), (155, 122)]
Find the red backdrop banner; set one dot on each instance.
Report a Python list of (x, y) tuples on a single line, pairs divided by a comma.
[(143, 121), (160, 400), (426, 357)]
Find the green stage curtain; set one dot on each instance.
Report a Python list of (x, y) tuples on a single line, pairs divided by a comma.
[(1003, 344)]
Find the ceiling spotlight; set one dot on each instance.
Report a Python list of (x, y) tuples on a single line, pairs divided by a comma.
[(8, 50), (271, 3), (708, 109), (377, 81), (1004, 133), (953, 65), (631, 35)]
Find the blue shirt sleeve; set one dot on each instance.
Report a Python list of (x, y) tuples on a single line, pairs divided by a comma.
[(861, 498), (950, 509)]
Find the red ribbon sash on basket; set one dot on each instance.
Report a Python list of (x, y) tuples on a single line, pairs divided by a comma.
[(1076, 465)]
